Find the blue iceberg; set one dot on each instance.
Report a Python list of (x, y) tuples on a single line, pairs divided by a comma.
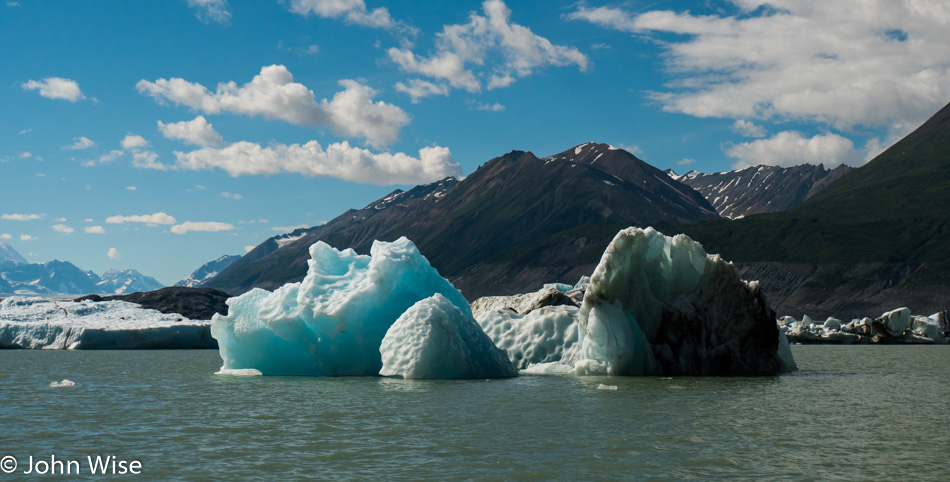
[(333, 322)]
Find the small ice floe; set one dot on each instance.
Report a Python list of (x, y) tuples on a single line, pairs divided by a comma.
[(606, 387), (239, 372), (64, 383)]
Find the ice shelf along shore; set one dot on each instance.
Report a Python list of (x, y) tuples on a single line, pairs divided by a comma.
[(87, 325), (655, 305)]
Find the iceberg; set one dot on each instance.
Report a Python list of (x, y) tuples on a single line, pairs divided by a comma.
[(435, 339), (333, 323), (655, 305), (544, 340), (30, 322)]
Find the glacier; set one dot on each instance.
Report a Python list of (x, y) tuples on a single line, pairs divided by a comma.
[(332, 323), (655, 305), (35, 323)]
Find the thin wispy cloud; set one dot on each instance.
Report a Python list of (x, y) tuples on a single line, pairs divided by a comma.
[(21, 217), (156, 218), (211, 11), (351, 11), (203, 226)]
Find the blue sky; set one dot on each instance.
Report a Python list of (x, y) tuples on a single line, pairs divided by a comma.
[(159, 135)]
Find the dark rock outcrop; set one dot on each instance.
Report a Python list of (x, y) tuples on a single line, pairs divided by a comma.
[(194, 303)]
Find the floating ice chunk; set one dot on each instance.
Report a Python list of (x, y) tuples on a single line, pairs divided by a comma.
[(241, 372), (542, 341), (435, 339), (832, 324), (661, 305), (786, 360), (582, 283), (333, 322), (606, 387), (926, 327), (559, 286), (896, 322), (64, 383)]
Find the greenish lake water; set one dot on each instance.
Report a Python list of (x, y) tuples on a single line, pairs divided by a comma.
[(852, 412)]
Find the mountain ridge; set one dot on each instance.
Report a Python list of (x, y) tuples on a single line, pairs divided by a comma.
[(517, 221)]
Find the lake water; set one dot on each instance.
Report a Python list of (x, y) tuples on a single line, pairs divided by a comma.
[(853, 412)]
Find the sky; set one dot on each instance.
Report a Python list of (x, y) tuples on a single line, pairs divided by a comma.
[(159, 135)]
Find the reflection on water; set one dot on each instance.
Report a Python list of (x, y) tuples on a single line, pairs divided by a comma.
[(857, 412)]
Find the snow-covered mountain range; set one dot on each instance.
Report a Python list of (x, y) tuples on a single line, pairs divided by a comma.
[(760, 189), (17, 276)]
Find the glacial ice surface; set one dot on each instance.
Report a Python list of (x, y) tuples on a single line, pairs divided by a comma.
[(333, 323), (30, 322), (543, 340), (435, 339)]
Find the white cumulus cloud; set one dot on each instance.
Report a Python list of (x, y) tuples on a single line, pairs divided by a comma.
[(5, 236), (62, 228), (231, 195), (27, 237), (196, 132), (80, 143), (489, 50), (113, 253), (56, 88), (211, 10), (273, 94), (157, 218), (339, 160), (207, 226), (132, 141), (790, 148), (94, 230), (844, 63)]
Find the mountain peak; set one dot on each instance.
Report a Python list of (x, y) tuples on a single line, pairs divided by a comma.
[(7, 253)]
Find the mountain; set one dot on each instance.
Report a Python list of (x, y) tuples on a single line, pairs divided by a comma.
[(515, 223), (62, 277), (126, 281), (7, 253), (283, 258), (761, 189), (207, 271), (53, 277), (884, 224)]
